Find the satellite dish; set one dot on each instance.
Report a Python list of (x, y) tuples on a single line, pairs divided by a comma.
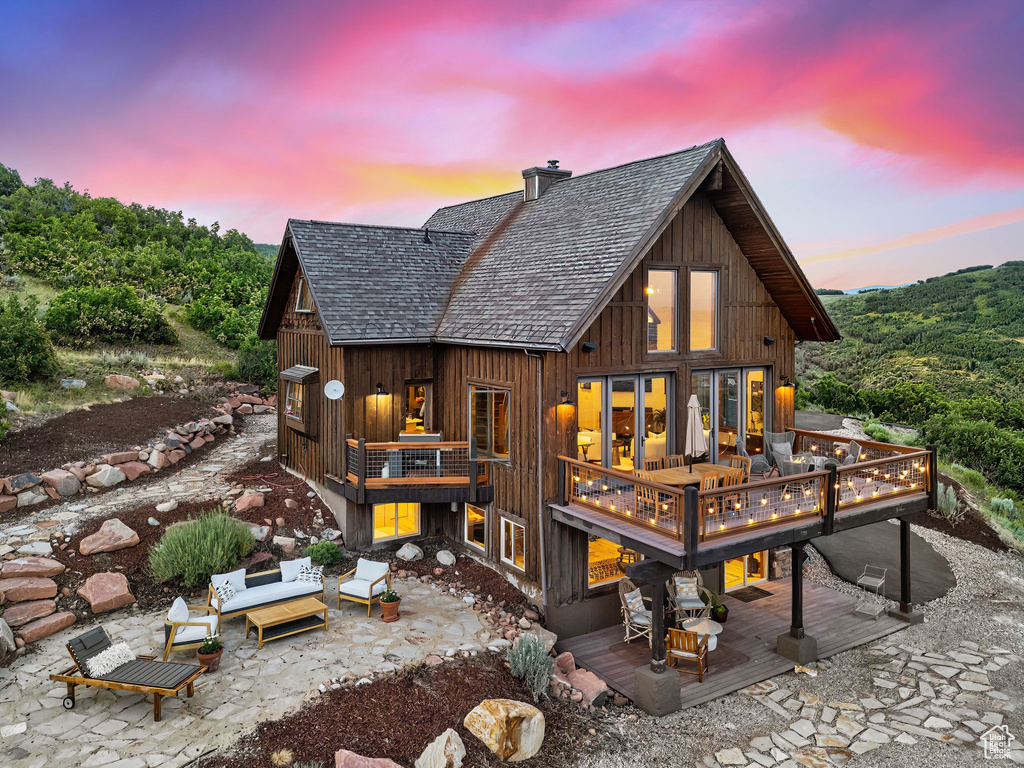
[(334, 389)]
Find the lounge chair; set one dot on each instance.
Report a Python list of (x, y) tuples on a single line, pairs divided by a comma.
[(142, 675), (636, 618), (364, 583), (681, 645)]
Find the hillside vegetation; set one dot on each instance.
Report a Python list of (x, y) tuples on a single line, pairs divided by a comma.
[(945, 355)]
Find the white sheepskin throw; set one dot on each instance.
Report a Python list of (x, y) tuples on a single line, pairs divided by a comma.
[(105, 662)]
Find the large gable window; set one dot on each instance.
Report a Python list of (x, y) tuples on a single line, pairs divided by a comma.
[(703, 310), (304, 301), (661, 310), (488, 421), (299, 384)]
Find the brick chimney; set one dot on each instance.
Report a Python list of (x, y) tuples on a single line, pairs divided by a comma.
[(539, 179)]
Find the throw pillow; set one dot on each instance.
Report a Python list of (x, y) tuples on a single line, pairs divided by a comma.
[(224, 591), (290, 568), (311, 574), (635, 602), (178, 612), (782, 450), (236, 579), (105, 662), (685, 587)]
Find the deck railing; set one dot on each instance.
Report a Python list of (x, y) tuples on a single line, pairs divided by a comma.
[(383, 465), (867, 482), (763, 503)]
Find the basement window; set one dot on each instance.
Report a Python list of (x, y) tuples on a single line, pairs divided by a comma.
[(476, 527), (395, 521), (304, 301), (513, 544)]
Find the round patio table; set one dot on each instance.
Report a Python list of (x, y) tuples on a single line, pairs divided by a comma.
[(702, 626)]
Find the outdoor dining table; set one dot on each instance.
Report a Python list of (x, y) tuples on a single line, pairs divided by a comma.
[(682, 476)]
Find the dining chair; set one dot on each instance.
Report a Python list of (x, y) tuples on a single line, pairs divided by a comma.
[(709, 481), (675, 460), (652, 464), (742, 463), (682, 645)]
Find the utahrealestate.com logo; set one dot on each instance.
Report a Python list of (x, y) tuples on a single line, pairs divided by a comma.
[(997, 742)]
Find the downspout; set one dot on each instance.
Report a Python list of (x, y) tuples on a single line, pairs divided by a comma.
[(540, 476)]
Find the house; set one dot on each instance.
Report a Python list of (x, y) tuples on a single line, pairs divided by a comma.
[(510, 364)]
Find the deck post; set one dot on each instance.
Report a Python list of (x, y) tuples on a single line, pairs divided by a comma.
[(472, 469), (830, 501), (691, 525), (795, 644), (655, 692), (933, 477), (906, 610)]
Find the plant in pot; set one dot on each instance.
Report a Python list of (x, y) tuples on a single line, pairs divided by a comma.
[(719, 612), (389, 602), (209, 653)]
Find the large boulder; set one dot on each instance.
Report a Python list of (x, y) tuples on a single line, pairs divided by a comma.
[(62, 481), (45, 627), (105, 476), (119, 381), (345, 759), (409, 552), (512, 730), (31, 566), (111, 536), (23, 588), (444, 557), (23, 613), (248, 500), (106, 592), (446, 751)]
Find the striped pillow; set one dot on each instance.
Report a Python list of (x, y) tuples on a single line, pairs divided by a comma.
[(685, 586)]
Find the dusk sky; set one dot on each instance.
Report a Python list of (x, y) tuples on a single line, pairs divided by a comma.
[(886, 139)]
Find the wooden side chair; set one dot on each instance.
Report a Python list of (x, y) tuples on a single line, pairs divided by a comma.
[(709, 481), (364, 583), (687, 647), (675, 460), (636, 617), (743, 463), (652, 464)]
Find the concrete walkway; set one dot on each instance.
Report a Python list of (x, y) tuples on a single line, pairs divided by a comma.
[(847, 552)]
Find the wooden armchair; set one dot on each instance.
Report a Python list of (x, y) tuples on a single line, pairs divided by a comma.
[(364, 583), (182, 633), (636, 619), (681, 645)]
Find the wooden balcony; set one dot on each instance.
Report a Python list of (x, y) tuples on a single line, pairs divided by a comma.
[(690, 528), (426, 472)]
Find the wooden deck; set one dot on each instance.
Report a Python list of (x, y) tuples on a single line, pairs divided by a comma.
[(746, 647)]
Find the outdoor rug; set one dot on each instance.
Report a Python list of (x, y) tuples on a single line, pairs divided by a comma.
[(749, 594)]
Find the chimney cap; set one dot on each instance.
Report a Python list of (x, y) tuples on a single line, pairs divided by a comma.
[(552, 163)]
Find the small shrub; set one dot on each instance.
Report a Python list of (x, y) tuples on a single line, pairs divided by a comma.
[(877, 432), (282, 758), (972, 478), (323, 553), (949, 504), (257, 362), (5, 426), (26, 353), (113, 313), (192, 551), (530, 661), (1000, 505), (125, 360)]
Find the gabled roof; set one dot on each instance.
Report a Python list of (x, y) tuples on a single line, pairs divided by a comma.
[(535, 274)]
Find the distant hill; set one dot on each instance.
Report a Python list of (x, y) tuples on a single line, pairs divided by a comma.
[(963, 333), (267, 249)]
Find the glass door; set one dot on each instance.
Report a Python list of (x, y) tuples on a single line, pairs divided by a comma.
[(735, 406), (728, 421), (622, 443), (656, 441), (620, 420), (754, 407), (747, 570)]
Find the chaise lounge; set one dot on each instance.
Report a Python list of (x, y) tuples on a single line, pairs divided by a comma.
[(246, 593)]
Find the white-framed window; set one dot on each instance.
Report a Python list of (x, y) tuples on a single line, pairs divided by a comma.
[(475, 527), (295, 395), (488, 421), (703, 309), (395, 521), (661, 309), (304, 300), (513, 544)]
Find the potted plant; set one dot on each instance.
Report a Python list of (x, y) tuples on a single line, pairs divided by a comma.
[(389, 602), (209, 653), (719, 612)]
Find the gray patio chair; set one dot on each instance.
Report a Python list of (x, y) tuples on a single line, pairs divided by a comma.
[(759, 464), (775, 438), (636, 619)]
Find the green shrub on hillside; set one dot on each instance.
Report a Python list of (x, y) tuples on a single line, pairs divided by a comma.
[(112, 313), (1004, 507), (257, 362), (194, 550), (26, 353), (530, 661), (323, 553), (992, 450)]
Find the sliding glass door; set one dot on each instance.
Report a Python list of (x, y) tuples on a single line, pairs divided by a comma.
[(734, 409), (621, 420)]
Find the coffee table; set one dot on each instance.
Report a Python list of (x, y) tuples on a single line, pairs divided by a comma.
[(704, 626), (284, 619)]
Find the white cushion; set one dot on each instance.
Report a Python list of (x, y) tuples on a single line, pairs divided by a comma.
[(690, 602), (236, 579), (642, 618), (360, 588), (290, 568), (196, 634), (269, 593), (370, 570), (179, 610), (712, 644)]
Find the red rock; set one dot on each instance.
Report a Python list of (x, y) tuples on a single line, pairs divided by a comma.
[(117, 381), (590, 685), (291, 503), (78, 472), (175, 456), (111, 536), (120, 458), (248, 500), (208, 438), (234, 402), (8, 503), (23, 613), (157, 460), (106, 592), (31, 566), (272, 400), (345, 759), (24, 588), (133, 470), (245, 410), (65, 483), (250, 399), (45, 627), (197, 443)]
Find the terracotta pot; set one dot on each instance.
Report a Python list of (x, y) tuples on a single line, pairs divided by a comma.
[(210, 660), (389, 611)]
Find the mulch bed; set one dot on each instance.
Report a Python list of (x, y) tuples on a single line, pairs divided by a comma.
[(971, 528), (86, 433), (398, 715), (481, 579)]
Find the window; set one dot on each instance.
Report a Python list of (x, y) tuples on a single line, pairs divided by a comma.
[(417, 408), (293, 401), (476, 527), (395, 521), (488, 421), (661, 310), (589, 412), (513, 544), (703, 310), (605, 561), (304, 302)]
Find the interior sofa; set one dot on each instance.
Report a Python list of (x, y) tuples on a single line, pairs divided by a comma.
[(262, 589)]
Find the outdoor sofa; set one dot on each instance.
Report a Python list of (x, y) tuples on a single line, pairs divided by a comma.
[(258, 590)]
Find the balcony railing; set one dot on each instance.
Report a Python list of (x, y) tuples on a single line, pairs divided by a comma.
[(386, 465), (763, 503)]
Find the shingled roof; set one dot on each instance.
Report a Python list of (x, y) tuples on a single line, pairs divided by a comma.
[(508, 272)]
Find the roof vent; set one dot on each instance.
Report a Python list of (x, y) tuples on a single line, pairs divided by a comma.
[(539, 179)]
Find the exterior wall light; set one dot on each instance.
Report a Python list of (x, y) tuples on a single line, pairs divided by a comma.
[(380, 389)]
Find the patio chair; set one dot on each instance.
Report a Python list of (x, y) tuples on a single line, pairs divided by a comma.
[(182, 633), (675, 460), (872, 598), (771, 439), (650, 465), (636, 617), (742, 463), (143, 674), (684, 597), (681, 645), (759, 464), (709, 481), (364, 583)]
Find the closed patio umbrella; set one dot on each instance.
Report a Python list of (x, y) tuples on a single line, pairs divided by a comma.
[(696, 445)]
